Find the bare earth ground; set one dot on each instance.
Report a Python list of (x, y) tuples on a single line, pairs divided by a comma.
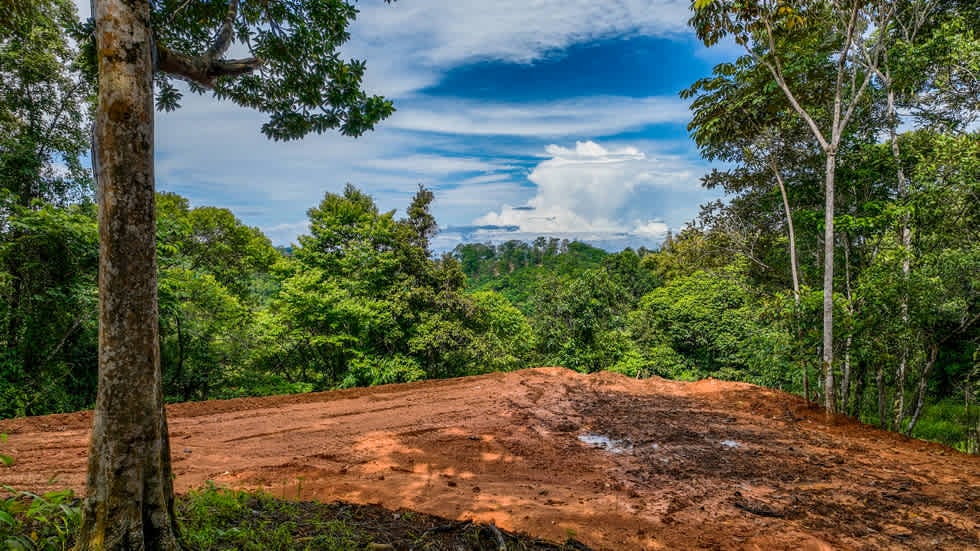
[(712, 464)]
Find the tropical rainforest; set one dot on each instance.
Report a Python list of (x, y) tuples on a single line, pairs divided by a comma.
[(739, 293)]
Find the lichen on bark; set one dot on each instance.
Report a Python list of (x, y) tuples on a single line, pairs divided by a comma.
[(129, 499)]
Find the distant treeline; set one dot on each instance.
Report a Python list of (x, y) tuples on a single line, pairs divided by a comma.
[(362, 301), (359, 301)]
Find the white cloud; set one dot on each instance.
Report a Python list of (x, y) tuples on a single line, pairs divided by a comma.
[(653, 229), (450, 32), (594, 116), (437, 165), (213, 152), (285, 234), (485, 179), (409, 44), (481, 195), (594, 191)]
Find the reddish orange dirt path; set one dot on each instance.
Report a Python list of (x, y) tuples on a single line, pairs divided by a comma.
[(712, 464)]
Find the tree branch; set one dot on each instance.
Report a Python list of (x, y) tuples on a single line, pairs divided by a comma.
[(203, 70), (837, 128), (854, 101), (223, 40), (777, 73)]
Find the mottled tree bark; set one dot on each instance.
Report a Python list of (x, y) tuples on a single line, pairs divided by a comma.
[(829, 399), (905, 241), (129, 498)]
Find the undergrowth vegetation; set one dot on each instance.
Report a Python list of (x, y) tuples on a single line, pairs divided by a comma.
[(213, 519), (33, 522)]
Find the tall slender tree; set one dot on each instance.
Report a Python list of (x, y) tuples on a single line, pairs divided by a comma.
[(738, 119), (767, 30), (294, 74)]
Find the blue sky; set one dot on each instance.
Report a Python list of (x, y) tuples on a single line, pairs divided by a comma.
[(551, 117)]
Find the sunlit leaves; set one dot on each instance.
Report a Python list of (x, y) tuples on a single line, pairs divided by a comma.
[(303, 82)]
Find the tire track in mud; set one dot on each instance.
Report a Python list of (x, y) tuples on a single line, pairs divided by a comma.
[(677, 465)]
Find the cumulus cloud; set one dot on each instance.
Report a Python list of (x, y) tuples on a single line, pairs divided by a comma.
[(592, 190), (213, 153)]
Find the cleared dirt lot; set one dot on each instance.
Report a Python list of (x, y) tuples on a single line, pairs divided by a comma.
[(615, 462)]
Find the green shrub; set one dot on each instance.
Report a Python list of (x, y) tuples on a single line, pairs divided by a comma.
[(31, 522), (381, 371), (255, 383)]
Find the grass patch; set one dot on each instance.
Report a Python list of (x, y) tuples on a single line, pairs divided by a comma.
[(213, 519), (951, 423)]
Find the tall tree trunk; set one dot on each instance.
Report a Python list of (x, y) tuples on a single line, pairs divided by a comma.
[(178, 379), (129, 496), (830, 402), (794, 270), (860, 382), (806, 381), (923, 383), (839, 121), (845, 384), (882, 396), (905, 241)]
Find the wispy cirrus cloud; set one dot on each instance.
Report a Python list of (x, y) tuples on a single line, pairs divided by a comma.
[(584, 117), (444, 33), (431, 164), (410, 45)]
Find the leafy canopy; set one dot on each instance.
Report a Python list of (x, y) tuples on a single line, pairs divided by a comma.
[(292, 69), (43, 92)]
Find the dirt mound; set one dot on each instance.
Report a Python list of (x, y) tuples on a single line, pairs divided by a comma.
[(615, 462)]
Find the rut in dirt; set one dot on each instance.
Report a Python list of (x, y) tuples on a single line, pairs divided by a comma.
[(617, 463)]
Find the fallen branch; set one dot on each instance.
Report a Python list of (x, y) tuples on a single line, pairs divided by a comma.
[(573, 543), (758, 509), (451, 527), (501, 543)]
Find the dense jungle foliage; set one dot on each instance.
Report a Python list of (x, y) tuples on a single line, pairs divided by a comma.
[(362, 299)]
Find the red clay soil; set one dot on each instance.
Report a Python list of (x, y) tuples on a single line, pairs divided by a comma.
[(707, 465)]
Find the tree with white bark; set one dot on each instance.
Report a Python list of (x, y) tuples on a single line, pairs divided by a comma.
[(767, 29)]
